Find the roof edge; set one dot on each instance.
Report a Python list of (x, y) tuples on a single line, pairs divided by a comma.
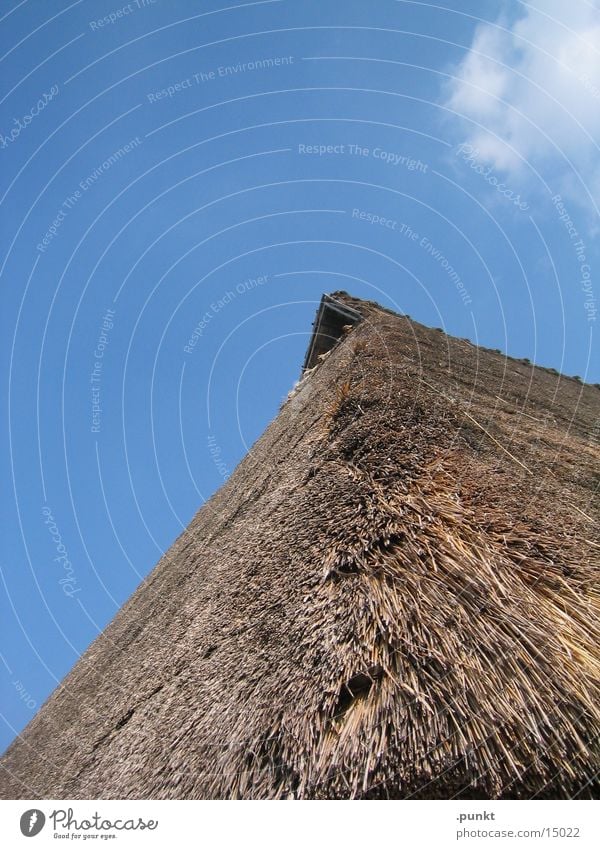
[(336, 304), (331, 321)]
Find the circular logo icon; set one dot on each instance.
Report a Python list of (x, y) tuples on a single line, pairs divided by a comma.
[(32, 822)]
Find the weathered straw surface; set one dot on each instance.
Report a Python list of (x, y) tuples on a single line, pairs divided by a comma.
[(395, 594)]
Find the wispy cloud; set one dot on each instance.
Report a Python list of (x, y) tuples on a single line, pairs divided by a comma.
[(527, 93)]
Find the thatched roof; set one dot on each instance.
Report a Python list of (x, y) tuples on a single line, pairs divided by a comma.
[(394, 595)]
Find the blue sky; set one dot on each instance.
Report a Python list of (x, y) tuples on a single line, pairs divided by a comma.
[(180, 183)]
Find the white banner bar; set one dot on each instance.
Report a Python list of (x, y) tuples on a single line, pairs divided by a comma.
[(279, 825)]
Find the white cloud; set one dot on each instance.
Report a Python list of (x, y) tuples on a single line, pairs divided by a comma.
[(533, 86)]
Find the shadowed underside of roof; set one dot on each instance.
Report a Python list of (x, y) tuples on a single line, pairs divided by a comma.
[(394, 595)]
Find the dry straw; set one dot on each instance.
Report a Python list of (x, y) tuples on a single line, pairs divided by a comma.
[(380, 602)]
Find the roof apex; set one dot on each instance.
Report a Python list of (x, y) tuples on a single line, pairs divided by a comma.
[(331, 322)]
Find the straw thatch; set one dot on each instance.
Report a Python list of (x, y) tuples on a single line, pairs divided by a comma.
[(394, 595)]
